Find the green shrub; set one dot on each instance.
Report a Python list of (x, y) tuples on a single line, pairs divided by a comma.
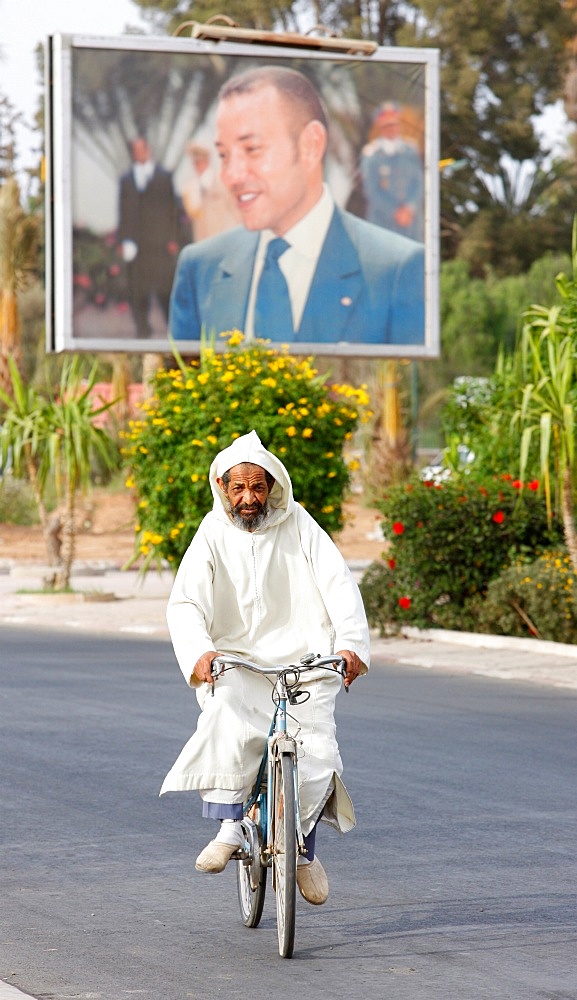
[(17, 502), (199, 409), (445, 542), (536, 599)]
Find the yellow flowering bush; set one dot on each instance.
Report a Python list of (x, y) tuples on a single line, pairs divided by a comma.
[(199, 409), (536, 599)]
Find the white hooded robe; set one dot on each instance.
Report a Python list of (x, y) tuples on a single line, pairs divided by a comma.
[(271, 596)]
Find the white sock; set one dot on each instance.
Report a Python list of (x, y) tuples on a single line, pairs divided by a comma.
[(230, 833), (303, 860)]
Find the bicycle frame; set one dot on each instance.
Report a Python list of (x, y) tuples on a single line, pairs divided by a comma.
[(278, 732)]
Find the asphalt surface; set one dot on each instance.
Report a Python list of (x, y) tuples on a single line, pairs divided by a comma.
[(457, 884), (110, 603)]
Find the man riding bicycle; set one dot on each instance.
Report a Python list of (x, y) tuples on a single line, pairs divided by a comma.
[(263, 581)]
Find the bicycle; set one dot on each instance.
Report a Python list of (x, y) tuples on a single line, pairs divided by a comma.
[(271, 821)]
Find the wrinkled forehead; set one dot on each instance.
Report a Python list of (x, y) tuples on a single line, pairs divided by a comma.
[(246, 471)]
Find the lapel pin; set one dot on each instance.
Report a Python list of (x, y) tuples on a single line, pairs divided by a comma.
[(346, 300)]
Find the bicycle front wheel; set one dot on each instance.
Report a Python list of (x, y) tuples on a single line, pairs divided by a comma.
[(285, 853)]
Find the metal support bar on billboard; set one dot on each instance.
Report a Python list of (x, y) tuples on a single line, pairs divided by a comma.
[(231, 32)]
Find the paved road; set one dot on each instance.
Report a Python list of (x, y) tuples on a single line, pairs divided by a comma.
[(458, 883)]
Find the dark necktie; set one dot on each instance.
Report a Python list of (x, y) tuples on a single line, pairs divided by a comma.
[(272, 311)]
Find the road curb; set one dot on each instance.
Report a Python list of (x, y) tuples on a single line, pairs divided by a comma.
[(487, 640)]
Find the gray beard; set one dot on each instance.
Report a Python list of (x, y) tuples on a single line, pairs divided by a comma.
[(251, 523)]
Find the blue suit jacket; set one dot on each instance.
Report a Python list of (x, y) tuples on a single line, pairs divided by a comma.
[(368, 287)]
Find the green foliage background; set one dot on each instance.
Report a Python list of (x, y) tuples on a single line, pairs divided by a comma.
[(199, 409)]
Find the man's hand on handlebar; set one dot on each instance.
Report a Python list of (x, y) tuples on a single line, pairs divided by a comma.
[(203, 666), (354, 665)]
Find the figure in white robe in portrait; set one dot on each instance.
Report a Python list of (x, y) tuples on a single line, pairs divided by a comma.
[(270, 595)]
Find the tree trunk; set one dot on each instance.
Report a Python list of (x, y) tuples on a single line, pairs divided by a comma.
[(9, 337), (568, 514), (151, 364), (64, 570)]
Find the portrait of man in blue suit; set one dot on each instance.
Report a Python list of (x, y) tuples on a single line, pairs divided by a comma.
[(299, 269)]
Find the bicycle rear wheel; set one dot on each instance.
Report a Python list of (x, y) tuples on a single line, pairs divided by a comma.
[(251, 874), (285, 853)]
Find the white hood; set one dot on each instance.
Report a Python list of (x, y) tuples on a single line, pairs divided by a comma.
[(249, 448)]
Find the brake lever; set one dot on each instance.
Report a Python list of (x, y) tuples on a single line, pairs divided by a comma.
[(216, 672)]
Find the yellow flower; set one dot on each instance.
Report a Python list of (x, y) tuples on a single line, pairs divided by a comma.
[(130, 483), (308, 432), (328, 509), (195, 477), (291, 431), (203, 378), (271, 382), (331, 475), (197, 443), (142, 449)]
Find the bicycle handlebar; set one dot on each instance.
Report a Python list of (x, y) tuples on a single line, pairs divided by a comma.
[(310, 662)]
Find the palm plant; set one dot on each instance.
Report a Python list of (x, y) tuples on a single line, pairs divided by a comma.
[(547, 375), (57, 439), (74, 439), (23, 434)]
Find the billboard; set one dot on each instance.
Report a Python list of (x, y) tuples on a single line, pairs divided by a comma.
[(198, 186)]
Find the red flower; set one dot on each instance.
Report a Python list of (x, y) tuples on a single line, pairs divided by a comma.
[(405, 603), (506, 476), (483, 491), (428, 482), (517, 484), (392, 563), (398, 528), (533, 485), (498, 517)]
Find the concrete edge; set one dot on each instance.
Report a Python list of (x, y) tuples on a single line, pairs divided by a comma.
[(483, 640)]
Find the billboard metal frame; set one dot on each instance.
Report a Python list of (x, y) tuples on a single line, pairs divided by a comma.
[(64, 51)]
